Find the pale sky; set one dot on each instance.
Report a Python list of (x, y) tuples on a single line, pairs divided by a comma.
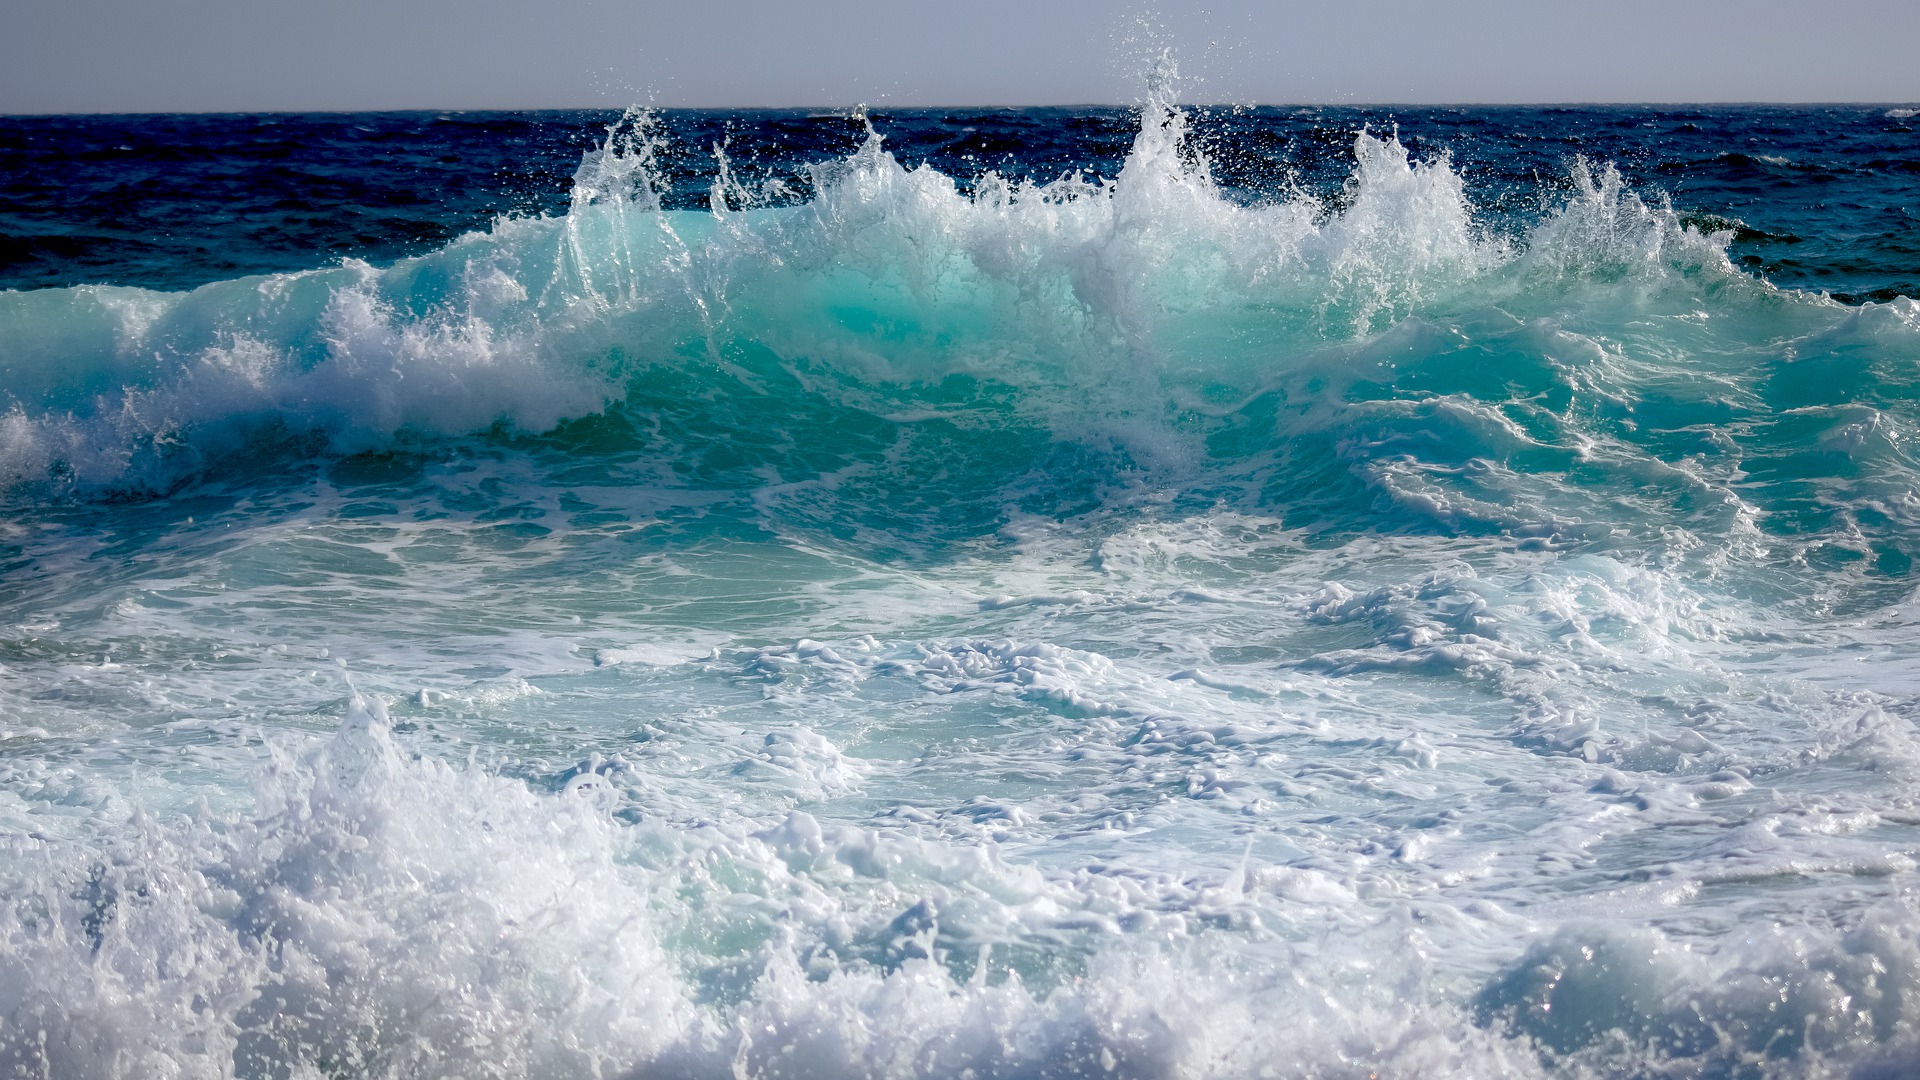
[(195, 55)]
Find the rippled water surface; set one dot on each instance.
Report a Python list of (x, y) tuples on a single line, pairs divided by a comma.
[(1046, 593)]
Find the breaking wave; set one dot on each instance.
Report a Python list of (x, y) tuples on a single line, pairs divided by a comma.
[(1077, 627)]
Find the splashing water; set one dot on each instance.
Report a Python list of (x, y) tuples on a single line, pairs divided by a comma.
[(1079, 627)]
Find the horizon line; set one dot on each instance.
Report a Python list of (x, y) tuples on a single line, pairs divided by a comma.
[(849, 108)]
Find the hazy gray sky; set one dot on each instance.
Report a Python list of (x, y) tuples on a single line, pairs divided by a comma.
[(167, 55)]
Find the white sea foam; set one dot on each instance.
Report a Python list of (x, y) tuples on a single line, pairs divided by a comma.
[(1092, 628), (1100, 290), (375, 915)]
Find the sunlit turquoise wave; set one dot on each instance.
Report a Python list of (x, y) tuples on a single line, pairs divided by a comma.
[(1091, 627)]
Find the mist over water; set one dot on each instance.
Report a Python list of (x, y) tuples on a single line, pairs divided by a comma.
[(885, 622)]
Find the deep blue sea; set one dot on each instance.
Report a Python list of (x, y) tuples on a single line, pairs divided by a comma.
[(1162, 592)]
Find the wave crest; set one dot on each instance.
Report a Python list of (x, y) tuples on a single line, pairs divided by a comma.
[(1100, 304)]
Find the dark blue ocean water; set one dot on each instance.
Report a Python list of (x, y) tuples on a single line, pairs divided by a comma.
[(1822, 198), (1028, 594)]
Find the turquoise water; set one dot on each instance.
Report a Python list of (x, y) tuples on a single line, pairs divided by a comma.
[(1085, 627)]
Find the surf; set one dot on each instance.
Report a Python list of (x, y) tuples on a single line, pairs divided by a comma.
[(1077, 625), (1095, 304)]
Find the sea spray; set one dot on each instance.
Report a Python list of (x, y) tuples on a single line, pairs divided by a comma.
[(1095, 625), (889, 276)]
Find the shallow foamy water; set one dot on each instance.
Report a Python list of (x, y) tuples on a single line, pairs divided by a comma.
[(1071, 629)]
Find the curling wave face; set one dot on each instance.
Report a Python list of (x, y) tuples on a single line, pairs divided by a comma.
[(1105, 309), (1078, 628)]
